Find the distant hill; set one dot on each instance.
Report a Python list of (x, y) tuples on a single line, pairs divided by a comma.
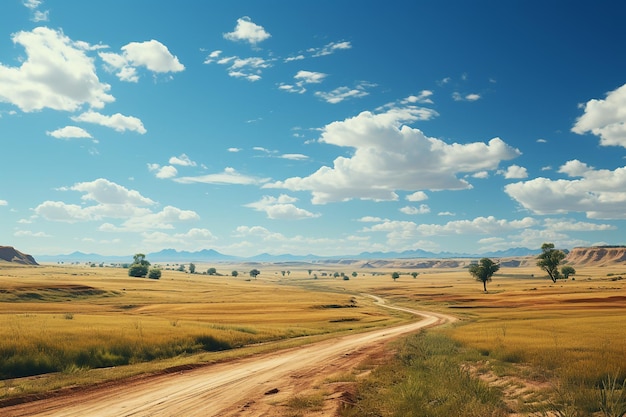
[(597, 255), (211, 255), (10, 254)]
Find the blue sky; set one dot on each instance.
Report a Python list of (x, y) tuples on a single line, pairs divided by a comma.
[(327, 127)]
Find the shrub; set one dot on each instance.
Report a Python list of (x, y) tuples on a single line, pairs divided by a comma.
[(138, 270), (155, 273)]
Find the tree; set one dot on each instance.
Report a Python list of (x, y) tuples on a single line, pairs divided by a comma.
[(354, 274), (567, 270), (484, 270), (234, 273), (395, 276), (254, 273), (213, 271), (155, 273), (139, 267), (549, 260), (192, 268), (414, 274)]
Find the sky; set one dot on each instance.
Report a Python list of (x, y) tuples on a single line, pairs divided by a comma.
[(326, 127)]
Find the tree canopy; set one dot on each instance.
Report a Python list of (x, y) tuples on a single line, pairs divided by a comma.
[(484, 270), (549, 260)]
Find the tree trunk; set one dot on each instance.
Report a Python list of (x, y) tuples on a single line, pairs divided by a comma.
[(485, 285)]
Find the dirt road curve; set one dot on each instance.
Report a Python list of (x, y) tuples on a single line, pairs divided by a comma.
[(249, 387)]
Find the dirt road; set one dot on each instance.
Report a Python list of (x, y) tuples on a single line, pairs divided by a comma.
[(252, 387)]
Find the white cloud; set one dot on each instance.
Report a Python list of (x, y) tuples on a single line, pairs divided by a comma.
[(182, 160), (417, 196), (234, 150), (468, 97), (32, 4), (294, 156), (247, 68), (118, 122), (568, 225), (281, 208), (164, 172), (310, 77), (515, 172), (411, 210), (194, 239), (229, 176), (40, 16), (69, 132), (330, 48), (247, 31), (481, 175), (371, 219), (152, 55), (4, 203), (605, 118), (423, 97), (28, 233), (389, 156), (600, 194), (56, 74), (106, 192), (342, 93)]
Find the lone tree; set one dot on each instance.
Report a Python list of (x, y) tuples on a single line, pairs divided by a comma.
[(254, 273), (395, 276), (139, 267), (484, 270), (192, 269), (549, 260)]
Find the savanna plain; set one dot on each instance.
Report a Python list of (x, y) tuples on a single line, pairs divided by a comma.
[(526, 347)]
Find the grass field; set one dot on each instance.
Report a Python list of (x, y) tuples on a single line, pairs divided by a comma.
[(539, 348)]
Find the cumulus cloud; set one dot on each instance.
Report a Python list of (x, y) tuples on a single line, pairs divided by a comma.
[(310, 77), (515, 172), (417, 196), (103, 199), (605, 118), (163, 172), (118, 122), (194, 239), (422, 209), (69, 132), (229, 176), (281, 208), (56, 74), (597, 193), (182, 160), (247, 31), (152, 55), (4, 203), (389, 155)]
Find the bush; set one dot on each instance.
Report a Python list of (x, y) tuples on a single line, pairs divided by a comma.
[(155, 273), (138, 270)]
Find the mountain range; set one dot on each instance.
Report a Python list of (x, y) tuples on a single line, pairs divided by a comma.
[(210, 255)]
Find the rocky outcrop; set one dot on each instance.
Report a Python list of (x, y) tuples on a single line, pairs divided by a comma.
[(10, 254), (597, 255)]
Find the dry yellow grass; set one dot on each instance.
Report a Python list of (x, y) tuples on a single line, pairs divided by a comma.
[(570, 332)]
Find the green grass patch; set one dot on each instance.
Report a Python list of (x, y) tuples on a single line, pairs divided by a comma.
[(426, 379)]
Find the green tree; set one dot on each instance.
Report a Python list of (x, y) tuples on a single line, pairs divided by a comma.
[(234, 273), (310, 270), (139, 267), (192, 269), (354, 274), (155, 273), (395, 276), (414, 274), (212, 271), (549, 260), (484, 270), (254, 273), (567, 270)]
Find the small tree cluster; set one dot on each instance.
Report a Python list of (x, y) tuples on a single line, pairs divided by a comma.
[(140, 268)]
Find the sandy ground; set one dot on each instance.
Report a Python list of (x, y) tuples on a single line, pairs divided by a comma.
[(249, 387)]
